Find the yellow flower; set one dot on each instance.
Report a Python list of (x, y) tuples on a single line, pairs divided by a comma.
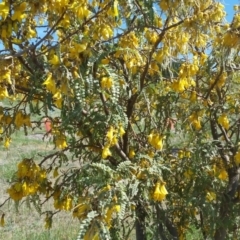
[(115, 8), (106, 152), (7, 142), (188, 173), (110, 211), (61, 142), (156, 140), (121, 131), (106, 82), (110, 134), (82, 12), (160, 192), (2, 222), (19, 120), (54, 60), (6, 77), (55, 172), (104, 61), (223, 121), (4, 10), (81, 210), (50, 84), (114, 141), (237, 157), (67, 203), (48, 222), (29, 188), (195, 120), (3, 92), (18, 13), (223, 175), (15, 191), (131, 153), (210, 196), (57, 97), (26, 120)]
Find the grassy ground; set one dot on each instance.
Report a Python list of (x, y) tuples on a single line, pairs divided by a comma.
[(27, 223)]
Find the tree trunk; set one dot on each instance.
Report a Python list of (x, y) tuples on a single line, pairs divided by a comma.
[(163, 218), (227, 204), (140, 223)]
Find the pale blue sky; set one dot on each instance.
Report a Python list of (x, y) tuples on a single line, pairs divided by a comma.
[(229, 8)]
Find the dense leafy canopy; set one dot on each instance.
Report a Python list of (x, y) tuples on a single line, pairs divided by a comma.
[(143, 101)]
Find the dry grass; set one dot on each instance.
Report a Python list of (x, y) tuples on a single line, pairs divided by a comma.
[(27, 223)]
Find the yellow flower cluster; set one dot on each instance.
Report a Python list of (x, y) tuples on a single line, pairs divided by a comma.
[(92, 233), (156, 140), (222, 79), (60, 141), (223, 121), (237, 157), (129, 40), (219, 172), (109, 215), (160, 192), (2, 221), (48, 222), (112, 139), (29, 179), (186, 72), (64, 203), (106, 82), (210, 196), (131, 153), (81, 210), (103, 31), (231, 39), (22, 119), (195, 121)]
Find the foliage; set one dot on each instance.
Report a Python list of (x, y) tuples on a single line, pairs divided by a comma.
[(143, 100)]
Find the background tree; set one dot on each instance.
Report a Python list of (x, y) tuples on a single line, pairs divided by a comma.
[(118, 74)]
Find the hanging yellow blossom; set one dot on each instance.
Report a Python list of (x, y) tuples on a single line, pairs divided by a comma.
[(110, 211), (3, 93), (61, 142), (19, 120), (82, 12), (223, 175), (110, 134), (160, 192), (115, 8), (237, 158), (121, 131), (15, 191), (4, 9), (19, 14), (131, 153), (106, 82), (156, 140), (54, 60), (106, 152), (7, 142), (195, 120), (210, 196), (223, 121), (2, 221), (50, 83), (48, 222), (6, 77), (57, 97)]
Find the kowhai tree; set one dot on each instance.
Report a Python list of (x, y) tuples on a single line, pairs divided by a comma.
[(146, 113)]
